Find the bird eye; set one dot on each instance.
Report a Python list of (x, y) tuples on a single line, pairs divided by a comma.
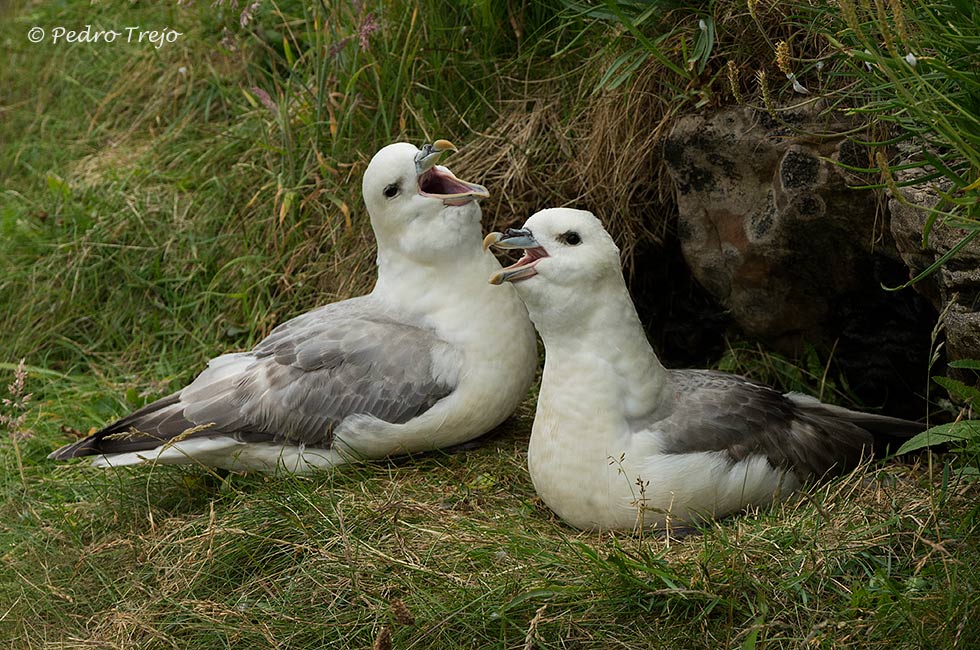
[(391, 191), (571, 238)]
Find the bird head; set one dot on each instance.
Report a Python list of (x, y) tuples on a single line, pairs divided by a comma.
[(409, 196), (568, 258)]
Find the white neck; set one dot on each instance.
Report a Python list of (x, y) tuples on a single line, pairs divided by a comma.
[(452, 288), (611, 347)]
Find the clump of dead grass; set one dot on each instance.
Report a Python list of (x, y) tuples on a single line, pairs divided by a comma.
[(567, 140), (560, 145)]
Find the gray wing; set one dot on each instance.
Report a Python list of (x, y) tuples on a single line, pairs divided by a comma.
[(717, 411), (299, 383), (310, 375)]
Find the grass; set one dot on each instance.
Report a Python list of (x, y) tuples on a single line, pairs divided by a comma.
[(155, 212), (181, 558)]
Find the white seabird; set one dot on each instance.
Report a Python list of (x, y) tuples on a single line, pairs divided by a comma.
[(620, 442), (412, 366)]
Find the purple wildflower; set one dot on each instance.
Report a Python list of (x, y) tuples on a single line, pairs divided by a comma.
[(248, 11), (17, 402), (266, 100), (368, 26)]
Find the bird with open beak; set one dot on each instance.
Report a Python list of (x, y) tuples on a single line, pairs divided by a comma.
[(411, 366), (621, 442)]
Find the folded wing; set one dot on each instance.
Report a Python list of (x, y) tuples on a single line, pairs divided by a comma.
[(298, 384), (716, 411)]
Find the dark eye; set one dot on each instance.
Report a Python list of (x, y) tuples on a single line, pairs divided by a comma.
[(391, 191), (571, 238)]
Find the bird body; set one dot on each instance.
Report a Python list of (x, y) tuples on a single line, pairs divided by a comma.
[(409, 367), (619, 441), (624, 465)]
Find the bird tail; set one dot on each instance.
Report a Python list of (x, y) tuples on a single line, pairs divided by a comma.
[(882, 427), (146, 428)]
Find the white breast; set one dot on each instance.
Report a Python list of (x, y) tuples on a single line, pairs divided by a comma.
[(480, 321), (596, 473)]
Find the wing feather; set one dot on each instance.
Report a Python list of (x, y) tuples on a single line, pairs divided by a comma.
[(717, 411), (299, 383)]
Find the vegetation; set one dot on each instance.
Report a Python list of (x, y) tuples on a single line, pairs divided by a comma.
[(161, 205)]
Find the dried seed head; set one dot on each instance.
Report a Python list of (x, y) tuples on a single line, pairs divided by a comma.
[(734, 81), (901, 25), (884, 27), (401, 613), (186, 433), (383, 640), (766, 92), (782, 58), (849, 10), (886, 173)]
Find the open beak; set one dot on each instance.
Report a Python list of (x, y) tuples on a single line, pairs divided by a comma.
[(513, 239), (438, 182)]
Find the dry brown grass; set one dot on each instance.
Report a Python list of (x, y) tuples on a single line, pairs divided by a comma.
[(555, 145)]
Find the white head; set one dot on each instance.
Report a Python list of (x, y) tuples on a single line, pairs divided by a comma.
[(569, 261), (409, 197)]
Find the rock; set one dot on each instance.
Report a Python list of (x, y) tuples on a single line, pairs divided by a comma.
[(775, 232), (954, 290), (962, 324)]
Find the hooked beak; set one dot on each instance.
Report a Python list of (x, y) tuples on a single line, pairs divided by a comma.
[(429, 155), (438, 182), (513, 239)]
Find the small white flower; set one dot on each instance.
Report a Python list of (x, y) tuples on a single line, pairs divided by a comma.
[(182, 70), (910, 59)]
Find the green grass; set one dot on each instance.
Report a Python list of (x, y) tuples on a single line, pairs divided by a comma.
[(187, 559), (151, 218)]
